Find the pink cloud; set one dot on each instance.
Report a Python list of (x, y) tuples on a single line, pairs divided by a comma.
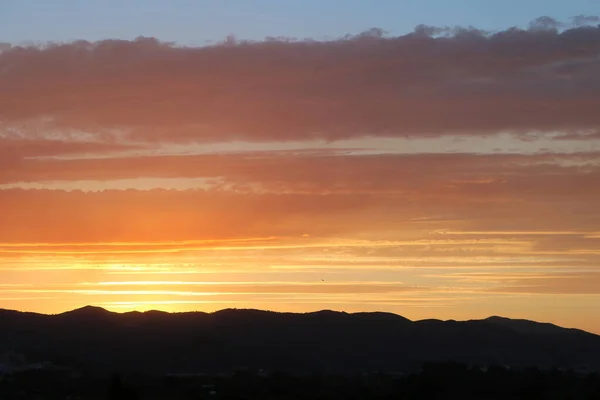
[(413, 85)]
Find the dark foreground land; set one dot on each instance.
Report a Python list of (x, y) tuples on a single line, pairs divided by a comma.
[(251, 354), (434, 381), (93, 340)]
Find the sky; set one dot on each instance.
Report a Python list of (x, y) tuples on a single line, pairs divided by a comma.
[(449, 168), (196, 22)]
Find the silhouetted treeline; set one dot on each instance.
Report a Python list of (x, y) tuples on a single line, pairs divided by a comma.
[(434, 381)]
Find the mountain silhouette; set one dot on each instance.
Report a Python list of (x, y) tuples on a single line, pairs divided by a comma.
[(96, 340)]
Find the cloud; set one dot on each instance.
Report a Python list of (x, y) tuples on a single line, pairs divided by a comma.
[(457, 177), (167, 215), (14, 151), (581, 20), (218, 288), (546, 23), (294, 208), (558, 282), (581, 283), (261, 194), (468, 82)]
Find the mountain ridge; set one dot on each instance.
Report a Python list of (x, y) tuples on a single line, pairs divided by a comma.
[(95, 339), (97, 310)]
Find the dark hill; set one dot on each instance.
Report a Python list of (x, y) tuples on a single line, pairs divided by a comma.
[(94, 339)]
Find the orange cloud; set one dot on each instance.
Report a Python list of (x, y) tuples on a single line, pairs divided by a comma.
[(254, 195)]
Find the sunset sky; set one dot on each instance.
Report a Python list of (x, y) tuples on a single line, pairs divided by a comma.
[(448, 167)]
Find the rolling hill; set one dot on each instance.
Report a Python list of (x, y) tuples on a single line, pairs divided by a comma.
[(94, 339)]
